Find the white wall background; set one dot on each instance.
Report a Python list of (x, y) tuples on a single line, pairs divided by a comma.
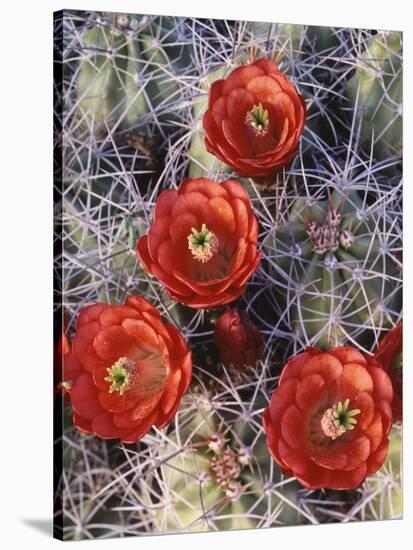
[(26, 269)]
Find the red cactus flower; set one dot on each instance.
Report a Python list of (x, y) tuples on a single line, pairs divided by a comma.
[(328, 421), (202, 244), (389, 354), (254, 119), (238, 340), (133, 371)]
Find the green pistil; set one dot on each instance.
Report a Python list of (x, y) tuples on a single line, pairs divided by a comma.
[(338, 419), (120, 375), (203, 244), (344, 417), (258, 118)]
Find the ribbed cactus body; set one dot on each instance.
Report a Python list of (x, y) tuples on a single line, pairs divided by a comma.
[(334, 264), (322, 39), (377, 90), (202, 163), (215, 477), (129, 69), (282, 36)]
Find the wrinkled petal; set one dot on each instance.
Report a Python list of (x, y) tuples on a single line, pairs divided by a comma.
[(104, 427), (293, 428), (84, 397)]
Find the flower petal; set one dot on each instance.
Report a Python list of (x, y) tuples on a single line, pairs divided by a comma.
[(348, 479), (355, 379), (89, 314), (383, 389), (164, 203), (347, 354), (104, 427), (138, 432), (114, 342), (324, 364), (84, 397), (294, 428), (83, 346), (311, 393), (377, 459), (240, 77)]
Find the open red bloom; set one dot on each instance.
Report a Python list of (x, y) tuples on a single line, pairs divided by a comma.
[(328, 421), (254, 119), (238, 340), (202, 244), (389, 354), (132, 370)]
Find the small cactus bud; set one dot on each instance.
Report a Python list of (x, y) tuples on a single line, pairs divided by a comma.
[(216, 442), (233, 490), (122, 20), (346, 238), (204, 478), (313, 230), (389, 354), (245, 456), (238, 340), (225, 467), (334, 217)]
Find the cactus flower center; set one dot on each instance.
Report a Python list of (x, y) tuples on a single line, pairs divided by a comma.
[(259, 119), (203, 244), (120, 375), (338, 419)]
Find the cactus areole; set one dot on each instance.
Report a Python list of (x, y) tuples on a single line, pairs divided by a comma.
[(335, 267)]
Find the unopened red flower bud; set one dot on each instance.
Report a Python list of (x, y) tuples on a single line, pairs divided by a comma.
[(238, 340), (389, 354)]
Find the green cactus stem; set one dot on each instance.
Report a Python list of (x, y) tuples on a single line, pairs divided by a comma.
[(376, 90), (334, 262), (128, 70)]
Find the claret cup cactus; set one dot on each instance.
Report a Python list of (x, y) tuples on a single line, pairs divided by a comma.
[(326, 226)]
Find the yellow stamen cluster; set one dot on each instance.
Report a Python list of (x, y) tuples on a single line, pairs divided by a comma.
[(258, 118), (338, 419), (203, 244), (120, 375)]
